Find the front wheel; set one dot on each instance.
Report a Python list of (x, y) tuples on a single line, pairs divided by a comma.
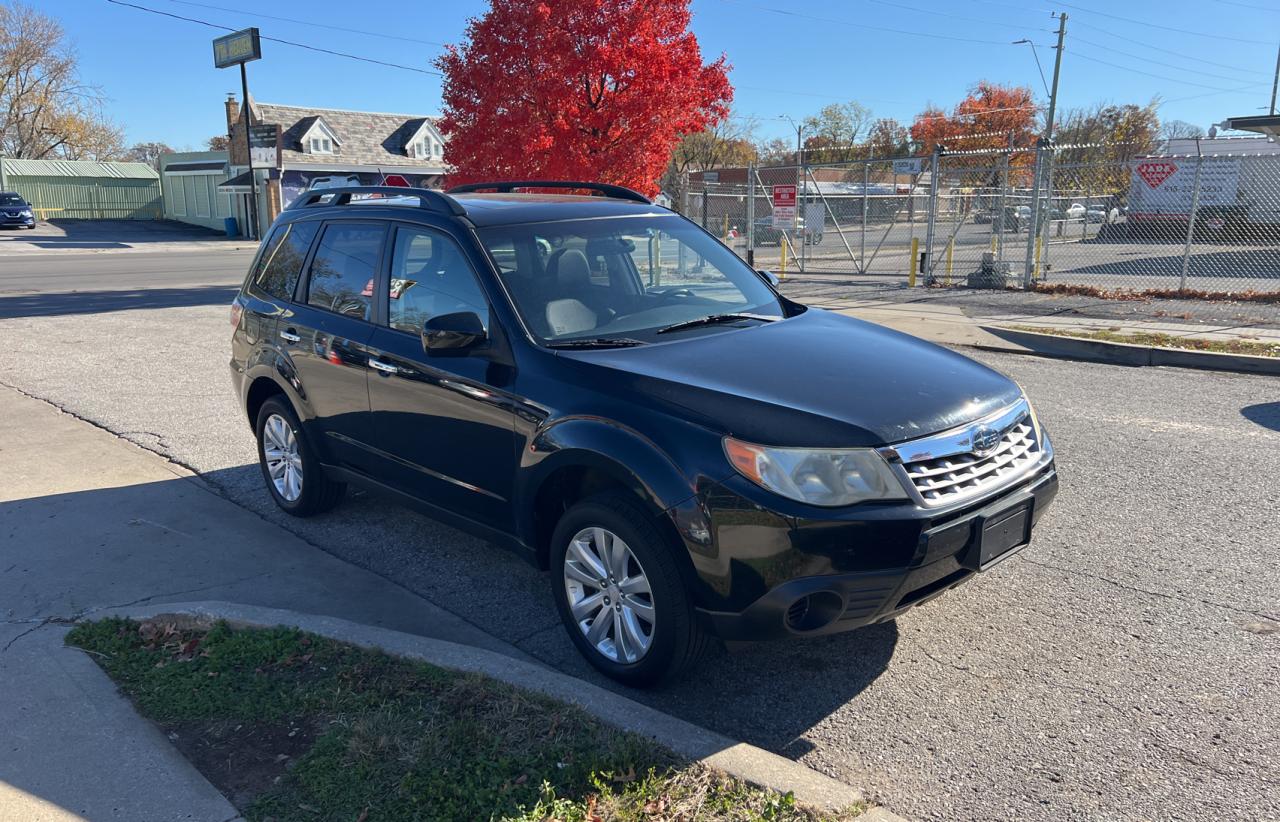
[(295, 479), (620, 593)]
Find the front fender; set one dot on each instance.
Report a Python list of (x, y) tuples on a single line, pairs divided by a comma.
[(630, 457)]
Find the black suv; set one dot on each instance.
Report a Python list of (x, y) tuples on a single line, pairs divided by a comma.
[(603, 386)]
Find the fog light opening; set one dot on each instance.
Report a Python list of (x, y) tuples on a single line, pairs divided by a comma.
[(814, 611)]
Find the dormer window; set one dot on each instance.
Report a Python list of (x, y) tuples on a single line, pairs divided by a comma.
[(321, 145)]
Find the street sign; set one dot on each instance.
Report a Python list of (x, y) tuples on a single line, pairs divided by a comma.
[(784, 206), (911, 165), (264, 146), (397, 180), (237, 47)]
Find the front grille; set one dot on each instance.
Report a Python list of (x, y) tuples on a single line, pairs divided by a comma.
[(941, 480)]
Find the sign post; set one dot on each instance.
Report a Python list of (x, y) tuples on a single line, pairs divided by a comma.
[(233, 49)]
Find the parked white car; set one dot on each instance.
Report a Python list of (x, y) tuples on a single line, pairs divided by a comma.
[(1076, 211)]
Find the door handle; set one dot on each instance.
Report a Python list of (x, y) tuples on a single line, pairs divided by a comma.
[(385, 368), (290, 336)]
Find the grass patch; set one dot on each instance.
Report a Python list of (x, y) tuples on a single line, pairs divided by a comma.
[(293, 726), (1254, 348)]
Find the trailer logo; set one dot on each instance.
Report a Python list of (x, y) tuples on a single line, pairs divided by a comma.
[(1154, 173)]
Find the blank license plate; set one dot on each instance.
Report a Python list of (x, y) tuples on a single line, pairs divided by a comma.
[(1004, 532)]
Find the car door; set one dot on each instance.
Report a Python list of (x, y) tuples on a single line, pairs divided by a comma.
[(443, 423), (326, 331)]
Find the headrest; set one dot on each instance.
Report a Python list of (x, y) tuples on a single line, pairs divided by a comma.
[(572, 271)]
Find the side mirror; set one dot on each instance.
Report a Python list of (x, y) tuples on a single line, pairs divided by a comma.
[(770, 276), (454, 334)]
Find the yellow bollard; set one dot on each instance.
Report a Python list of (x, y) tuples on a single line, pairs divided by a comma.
[(951, 247), (993, 243), (1035, 269), (915, 262), (782, 269), (725, 233)]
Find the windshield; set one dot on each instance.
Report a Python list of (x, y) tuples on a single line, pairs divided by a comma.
[(622, 277), (11, 200)]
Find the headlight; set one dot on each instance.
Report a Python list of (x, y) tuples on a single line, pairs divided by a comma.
[(26, 212), (818, 476)]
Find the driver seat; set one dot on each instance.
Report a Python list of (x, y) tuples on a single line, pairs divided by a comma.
[(571, 312)]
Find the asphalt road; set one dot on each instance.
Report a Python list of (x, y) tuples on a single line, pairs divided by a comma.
[(1124, 667)]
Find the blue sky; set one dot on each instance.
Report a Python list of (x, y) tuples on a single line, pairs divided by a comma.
[(789, 57)]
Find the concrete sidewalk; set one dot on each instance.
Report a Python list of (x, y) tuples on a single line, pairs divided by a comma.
[(952, 325), (88, 522)]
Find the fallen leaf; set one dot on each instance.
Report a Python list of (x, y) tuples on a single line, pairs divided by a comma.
[(364, 814)]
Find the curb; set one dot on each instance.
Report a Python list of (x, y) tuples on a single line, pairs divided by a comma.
[(738, 759), (1080, 348)]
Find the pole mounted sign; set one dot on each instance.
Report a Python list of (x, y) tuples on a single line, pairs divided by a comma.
[(237, 48), (784, 206)]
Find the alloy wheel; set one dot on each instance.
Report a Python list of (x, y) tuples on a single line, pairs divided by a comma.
[(284, 463), (609, 595)]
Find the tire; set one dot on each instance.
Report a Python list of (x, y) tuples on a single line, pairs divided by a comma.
[(317, 492), (676, 638)]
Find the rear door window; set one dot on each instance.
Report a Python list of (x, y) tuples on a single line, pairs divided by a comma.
[(281, 262), (344, 269)]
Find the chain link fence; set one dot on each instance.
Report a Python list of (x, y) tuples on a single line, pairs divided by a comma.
[(1069, 216)]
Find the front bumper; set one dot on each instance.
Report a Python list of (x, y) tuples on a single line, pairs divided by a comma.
[(862, 571), (6, 220)]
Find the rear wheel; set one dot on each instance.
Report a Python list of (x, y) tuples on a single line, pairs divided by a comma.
[(295, 479), (620, 594)]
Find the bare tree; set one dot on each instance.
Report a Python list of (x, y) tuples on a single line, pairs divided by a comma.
[(148, 153), (727, 143), (45, 110), (218, 142), (1179, 130), (776, 152)]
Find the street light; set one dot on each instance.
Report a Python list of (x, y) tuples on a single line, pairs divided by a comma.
[(1034, 54)]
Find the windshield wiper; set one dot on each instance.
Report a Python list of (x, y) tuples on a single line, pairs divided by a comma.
[(596, 342), (716, 319)]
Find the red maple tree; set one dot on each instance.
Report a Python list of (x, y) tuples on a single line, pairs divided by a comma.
[(598, 90)]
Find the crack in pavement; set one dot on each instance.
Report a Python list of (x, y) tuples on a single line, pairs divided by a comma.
[(84, 612), (1137, 590)]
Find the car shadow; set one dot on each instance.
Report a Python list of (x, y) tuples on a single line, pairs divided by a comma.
[(1266, 414), (769, 694), (97, 302)]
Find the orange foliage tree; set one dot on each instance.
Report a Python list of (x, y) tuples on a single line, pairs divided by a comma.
[(987, 119), (598, 90)]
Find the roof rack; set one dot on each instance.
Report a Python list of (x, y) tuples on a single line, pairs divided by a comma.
[(427, 198), (507, 186)]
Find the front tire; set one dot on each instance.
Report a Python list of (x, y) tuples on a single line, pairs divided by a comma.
[(294, 476), (620, 593)]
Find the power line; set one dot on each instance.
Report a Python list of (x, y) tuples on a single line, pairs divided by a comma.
[(1164, 28), (1078, 39), (918, 10), (282, 42), (1248, 5), (344, 29), (1144, 44), (869, 27), (1146, 73)]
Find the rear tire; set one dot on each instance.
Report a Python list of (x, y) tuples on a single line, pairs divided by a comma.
[(293, 474), (676, 639)]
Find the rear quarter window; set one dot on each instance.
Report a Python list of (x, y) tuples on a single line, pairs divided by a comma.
[(280, 265)]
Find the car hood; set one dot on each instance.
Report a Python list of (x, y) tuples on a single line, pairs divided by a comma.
[(816, 379)]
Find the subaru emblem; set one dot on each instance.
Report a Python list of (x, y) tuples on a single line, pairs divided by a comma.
[(985, 440)]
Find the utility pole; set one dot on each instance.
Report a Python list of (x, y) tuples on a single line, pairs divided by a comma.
[(253, 182), (1057, 69), (1044, 146), (1275, 82)]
